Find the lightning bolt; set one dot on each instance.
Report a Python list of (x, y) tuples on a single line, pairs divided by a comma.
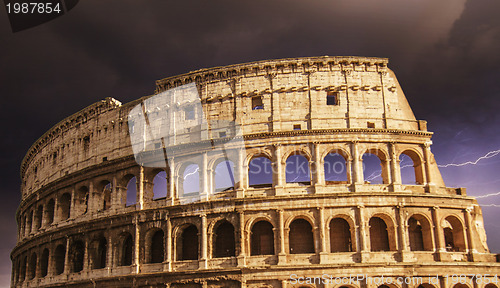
[(490, 205), (488, 195), (192, 173), (488, 155)]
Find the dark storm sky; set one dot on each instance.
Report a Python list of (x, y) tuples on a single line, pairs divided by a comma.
[(445, 54)]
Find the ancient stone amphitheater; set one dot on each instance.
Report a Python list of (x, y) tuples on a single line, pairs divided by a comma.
[(281, 198)]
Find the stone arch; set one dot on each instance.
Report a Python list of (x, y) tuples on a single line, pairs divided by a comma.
[(49, 211), (381, 227), (155, 246), (44, 263), (340, 235), (104, 189), (59, 258), (371, 173), (335, 166), (125, 253), (132, 183), (64, 206), (260, 171), (490, 285), (32, 267), (161, 183), (224, 239), (420, 233), (98, 252), (189, 175), (262, 238), (187, 242), (418, 170), (454, 234), (39, 217), (223, 174), (82, 200), (77, 252), (461, 285), (426, 285), (297, 167), (301, 236)]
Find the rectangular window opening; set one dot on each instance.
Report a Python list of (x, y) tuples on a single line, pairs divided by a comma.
[(296, 127), (332, 98), (371, 125), (257, 103), (189, 113), (222, 134)]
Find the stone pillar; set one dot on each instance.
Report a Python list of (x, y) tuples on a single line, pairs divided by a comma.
[(281, 237), (357, 165), (319, 170), (204, 242), (438, 232), (72, 208), (92, 206), (362, 239), (322, 237), (173, 181), (109, 255), (66, 258), (431, 187), (470, 236), (402, 233), (140, 188), (205, 188), (169, 257), (86, 258), (137, 244), (240, 182), (243, 234), (279, 176), (394, 167), (115, 198)]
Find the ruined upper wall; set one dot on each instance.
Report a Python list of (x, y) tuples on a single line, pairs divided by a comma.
[(293, 94)]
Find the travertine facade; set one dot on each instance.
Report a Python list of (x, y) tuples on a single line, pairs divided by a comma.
[(77, 227)]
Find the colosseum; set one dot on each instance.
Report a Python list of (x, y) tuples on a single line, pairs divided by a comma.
[(249, 175)]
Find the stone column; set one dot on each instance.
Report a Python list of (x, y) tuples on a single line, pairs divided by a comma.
[(109, 255), (362, 239), (173, 181), (140, 188), (319, 175), (205, 188), (402, 233), (470, 236), (86, 262), (243, 234), (204, 242), (395, 169), (71, 206), (66, 258), (438, 232), (137, 244), (281, 236), (357, 168), (92, 206), (278, 174), (427, 161), (322, 237), (169, 245)]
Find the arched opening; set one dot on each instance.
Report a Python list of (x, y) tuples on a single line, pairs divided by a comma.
[(191, 180), (157, 250), (64, 206), (39, 217), (59, 256), (32, 266), (460, 285), (410, 166), (83, 200), (50, 211), (340, 236), (419, 232), (187, 244), (297, 170), (224, 176), (379, 236), (127, 250), (260, 173), (99, 253), (490, 286), (335, 169), (301, 238), (372, 169), (224, 240), (262, 239), (160, 185), (29, 222), (131, 191), (454, 237), (44, 263), (77, 256), (23, 269)]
